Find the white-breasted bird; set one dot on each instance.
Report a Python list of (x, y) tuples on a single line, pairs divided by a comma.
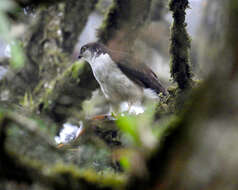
[(121, 78)]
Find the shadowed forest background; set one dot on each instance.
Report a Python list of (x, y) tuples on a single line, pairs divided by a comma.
[(185, 140)]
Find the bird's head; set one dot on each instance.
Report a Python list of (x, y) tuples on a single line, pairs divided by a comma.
[(85, 53), (90, 50)]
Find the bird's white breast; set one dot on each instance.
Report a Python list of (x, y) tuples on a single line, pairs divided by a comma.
[(115, 85)]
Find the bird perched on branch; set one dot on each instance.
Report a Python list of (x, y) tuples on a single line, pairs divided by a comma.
[(122, 79)]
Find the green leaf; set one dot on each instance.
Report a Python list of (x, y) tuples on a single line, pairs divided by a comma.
[(17, 55), (128, 125), (125, 163)]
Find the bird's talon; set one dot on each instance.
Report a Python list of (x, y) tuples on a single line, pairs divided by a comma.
[(99, 117), (104, 117)]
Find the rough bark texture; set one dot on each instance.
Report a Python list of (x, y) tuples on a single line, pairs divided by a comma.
[(180, 44)]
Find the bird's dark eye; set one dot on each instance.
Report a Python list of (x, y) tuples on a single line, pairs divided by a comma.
[(83, 49)]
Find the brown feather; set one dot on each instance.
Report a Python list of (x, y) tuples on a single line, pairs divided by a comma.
[(138, 72)]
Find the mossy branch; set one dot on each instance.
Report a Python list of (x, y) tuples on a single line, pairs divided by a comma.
[(180, 44), (20, 169)]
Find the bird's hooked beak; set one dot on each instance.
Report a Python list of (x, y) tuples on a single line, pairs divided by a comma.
[(80, 56)]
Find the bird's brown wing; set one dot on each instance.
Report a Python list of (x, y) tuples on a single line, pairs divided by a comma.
[(142, 75), (137, 71)]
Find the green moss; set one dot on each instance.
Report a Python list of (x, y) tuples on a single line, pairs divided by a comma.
[(180, 45), (57, 176), (61, 175), (77, 69), (27, 101), (76, 176), (45, 96)]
